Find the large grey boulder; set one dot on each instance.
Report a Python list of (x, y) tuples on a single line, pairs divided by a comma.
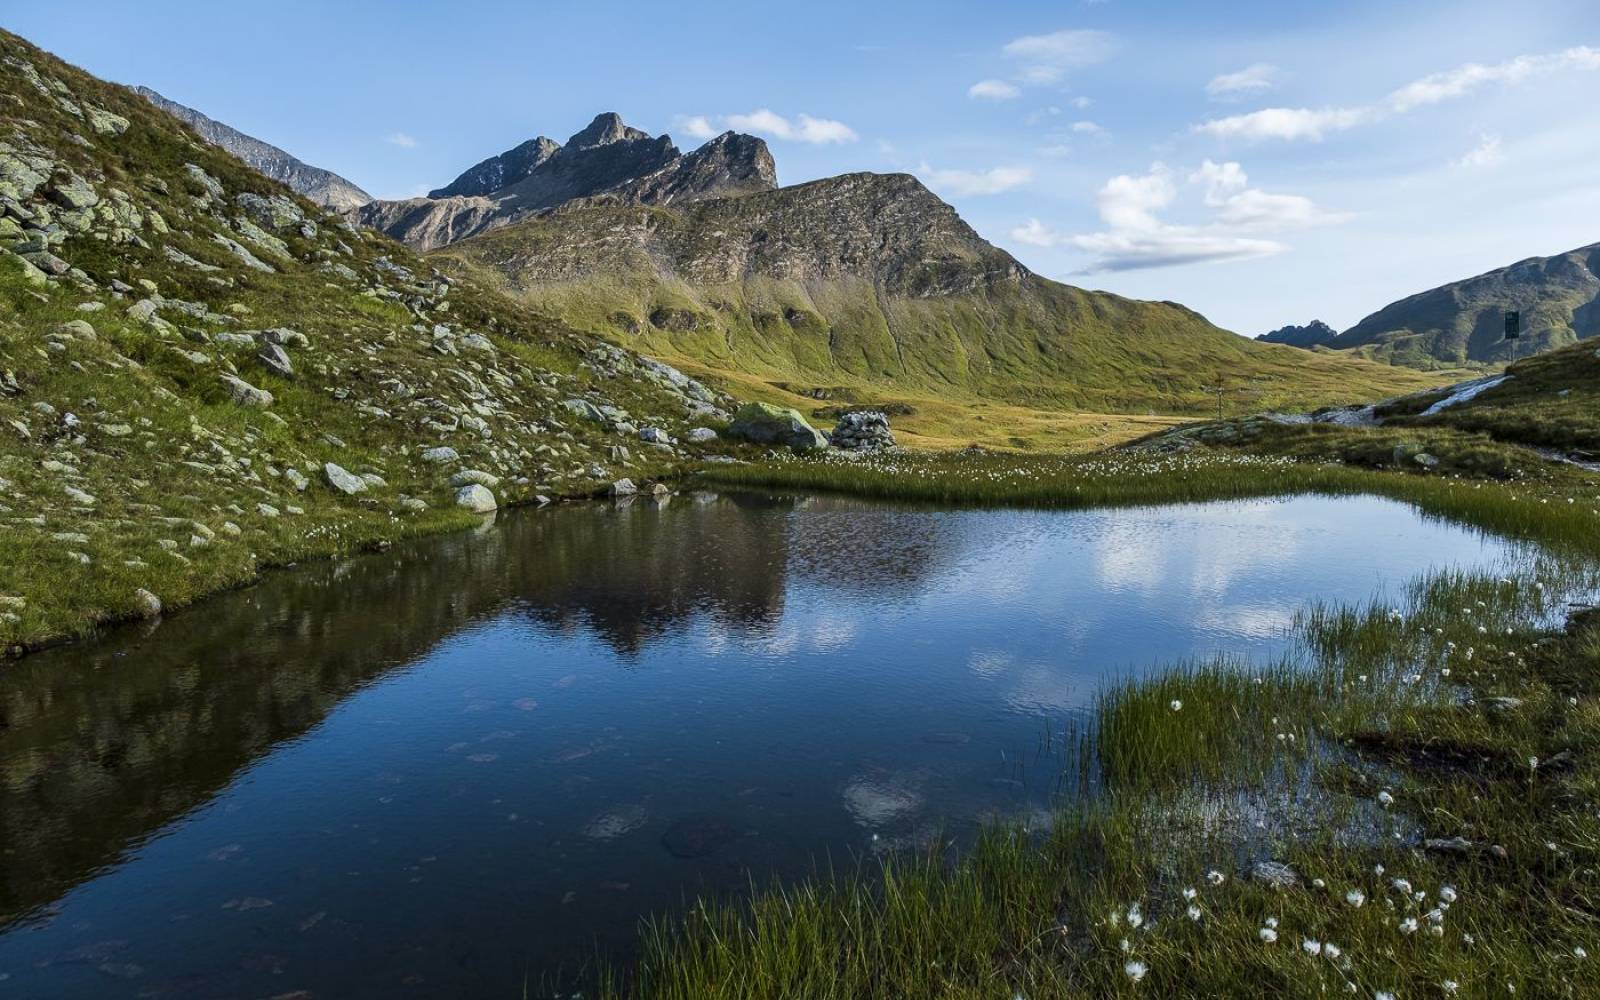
[(477, 499), (768, 424)]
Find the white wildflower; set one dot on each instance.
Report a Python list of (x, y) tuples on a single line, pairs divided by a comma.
[(1190, 894), (1385, 799), (1448, 893), (1215, 877), (1408, 925), (1267, 935), (1311, 947), (1355, 897), (1136, 970), (1175, 705), (1194, 912)]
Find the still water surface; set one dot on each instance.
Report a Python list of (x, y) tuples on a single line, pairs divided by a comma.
[(443, 769)]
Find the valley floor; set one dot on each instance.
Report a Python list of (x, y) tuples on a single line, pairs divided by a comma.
[(1405, 807)]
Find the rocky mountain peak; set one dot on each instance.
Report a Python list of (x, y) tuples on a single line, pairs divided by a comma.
[(606, 128), (501, 171)]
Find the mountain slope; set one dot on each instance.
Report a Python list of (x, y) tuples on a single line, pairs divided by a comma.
[(869, 282), (202, 375), (607, 160), (323, 187)]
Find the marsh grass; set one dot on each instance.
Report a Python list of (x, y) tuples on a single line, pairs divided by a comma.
[(1461, 706)]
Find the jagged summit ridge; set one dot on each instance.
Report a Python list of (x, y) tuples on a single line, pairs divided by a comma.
[(606, 160)]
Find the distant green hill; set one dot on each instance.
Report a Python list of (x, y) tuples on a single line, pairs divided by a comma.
[(871, 283), (1463, 322)]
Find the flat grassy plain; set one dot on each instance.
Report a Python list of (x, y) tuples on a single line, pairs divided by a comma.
[(1425, 771)]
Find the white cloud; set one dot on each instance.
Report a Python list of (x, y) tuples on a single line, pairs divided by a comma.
[(1486, 153), (1035, 233), (1314, 123), (1227, 189), (400, 139), (973, 183), (1081, 102), (1136, 237), (698, 127), (1249, 80), (1062, 49), (818, 131), (1087, 128), (1286, 123), (1219, 179), (994, 90)]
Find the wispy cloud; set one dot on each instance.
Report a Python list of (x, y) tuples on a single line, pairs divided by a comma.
[(1486, 153), (1314, 124), (994, 90), (1087, 128), (1250, 80), (1062, 50), (401, 139), (817, 131), (1137, 237), (970, 183)]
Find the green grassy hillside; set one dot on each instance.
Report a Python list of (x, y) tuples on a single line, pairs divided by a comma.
[(868, 285), (185, 346)]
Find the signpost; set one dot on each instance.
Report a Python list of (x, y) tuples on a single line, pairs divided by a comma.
[(1513, 324)]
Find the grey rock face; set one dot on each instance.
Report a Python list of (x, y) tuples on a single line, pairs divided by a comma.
[(623, 488), (701, 435), (440, 455), (768, 424), (476, 498), (501, 171), (343, 480), (863, 431), (321, 186)]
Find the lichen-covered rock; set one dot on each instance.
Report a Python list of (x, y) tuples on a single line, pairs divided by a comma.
[(764, 423)]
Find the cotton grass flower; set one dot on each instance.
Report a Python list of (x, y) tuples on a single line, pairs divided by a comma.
[(1448, 894), (1355, 897), (1408, 925), (1135, 916), (1190, 894), (1215, 877), (1385, 799), (1194, 912), (1135, 970), (1311, 947), (1267, 935), (1175, 705)]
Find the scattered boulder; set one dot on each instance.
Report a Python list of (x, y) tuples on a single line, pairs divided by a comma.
[(343, 480), (764, 423), (275, 360), (476, 498), (245, 394), (701, 435), (147, 604), (865, 430), (440, 455), (623, 488), (467, 477)]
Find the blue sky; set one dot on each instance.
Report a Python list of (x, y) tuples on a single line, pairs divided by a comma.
[(1261, 162)]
